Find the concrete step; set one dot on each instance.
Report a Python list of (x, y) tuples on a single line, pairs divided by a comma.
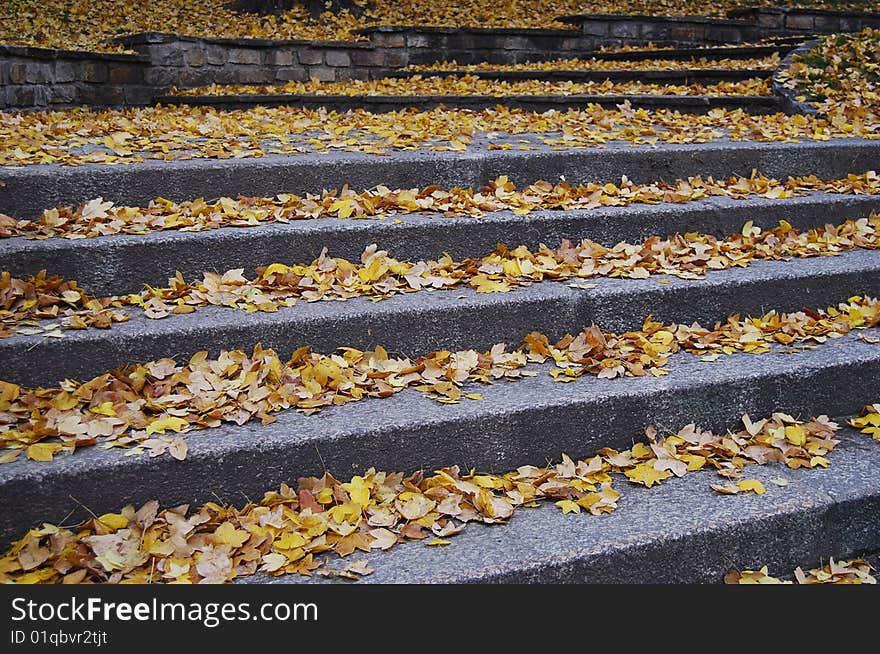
[(28, 190), (693, 76), (782, 46), (679, 532), (532, 420), (109, 265), (416, 323), (692, 104)]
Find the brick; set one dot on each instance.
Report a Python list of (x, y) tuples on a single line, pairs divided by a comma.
[(95, 71), (595, 28), (626, 30), (4, 76), (125, 74), (38, 73), (101, 94), (167, 55), (65, 71), (245, 56), (310, 57), (291, 74), (20, 97), (397, 58), (774, 20), (353, 73), (724, 35), (322, 73), (515, 43), (162, 77), (190, 77), (216, 55), (799, 22), (62, 94), (688, 34), (388, 40), (337, 59), (196, 57), (368, 57), (17, 73), (252, 75), (282, 58), (137, 94)]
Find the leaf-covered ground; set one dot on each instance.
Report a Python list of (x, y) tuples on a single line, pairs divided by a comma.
[(856, 571), (127, 407), (694, 63), (378, 275), (79, 136), (289, 530), (98, 217), (89, 24), (840, 76), (473, 85)]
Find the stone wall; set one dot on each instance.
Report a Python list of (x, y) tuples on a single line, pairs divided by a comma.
[(681, 31), (810, 21), (421, 45), (36, 78), (186, 62)]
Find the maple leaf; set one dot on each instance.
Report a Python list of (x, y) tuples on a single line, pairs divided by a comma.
[(646, 474)]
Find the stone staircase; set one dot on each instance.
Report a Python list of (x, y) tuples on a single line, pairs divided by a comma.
[(680, 532)]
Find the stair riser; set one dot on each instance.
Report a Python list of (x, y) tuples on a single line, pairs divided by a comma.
[(123, 263), (428, 321), (30, 190)]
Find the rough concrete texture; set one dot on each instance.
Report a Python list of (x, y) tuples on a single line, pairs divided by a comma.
[(529, 421), (28, 190), (695, 104), (123, 263), (679, 532), (416, 323)]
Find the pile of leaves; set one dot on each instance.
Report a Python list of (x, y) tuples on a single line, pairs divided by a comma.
[(24, 302), (841, 77), (693, 64), (98, 217), (78, 25), (468, 85), (136, 405), (288, 529), (855, 571), (78, 136)]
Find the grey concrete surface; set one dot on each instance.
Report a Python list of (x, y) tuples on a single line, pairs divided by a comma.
[(118, 264), (417, 323), (529, 421), (26, 191), (679, 532)]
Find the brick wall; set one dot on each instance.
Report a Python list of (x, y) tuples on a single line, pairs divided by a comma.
[(186, 62), (811, 21), (36, 78)]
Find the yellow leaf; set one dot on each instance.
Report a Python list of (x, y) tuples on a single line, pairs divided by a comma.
[(752, 485), (42, 451), (568, 506), (114, 521), (166, 422), (438, 542)]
